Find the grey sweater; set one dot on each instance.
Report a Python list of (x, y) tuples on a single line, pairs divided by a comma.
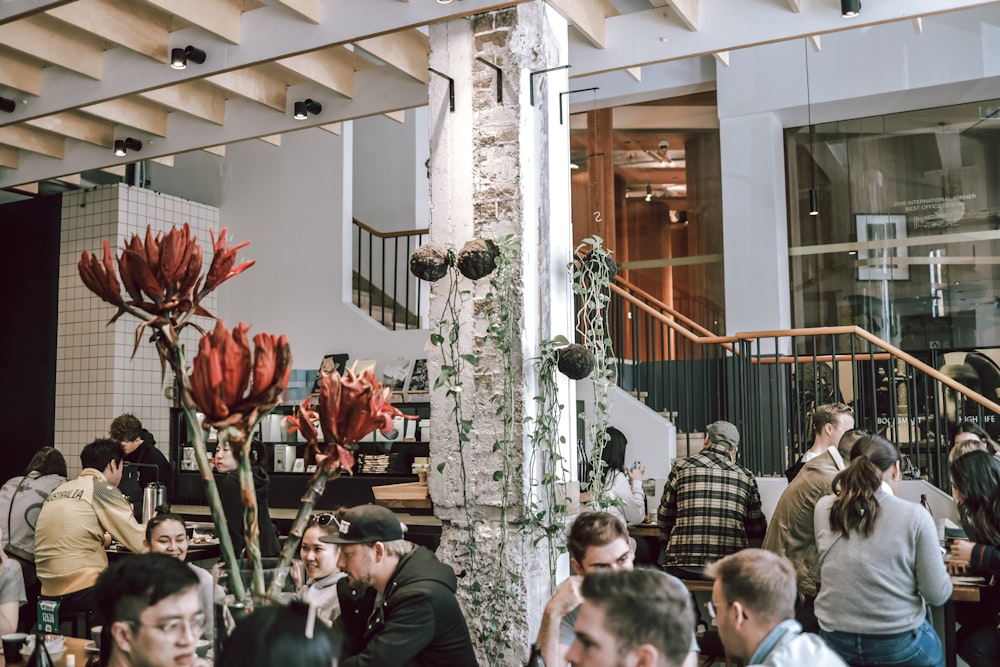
[(878, 585)]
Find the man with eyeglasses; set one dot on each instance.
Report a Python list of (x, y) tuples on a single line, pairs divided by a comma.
[(753, 602), (400, 608), (792, 533), (151, 611)]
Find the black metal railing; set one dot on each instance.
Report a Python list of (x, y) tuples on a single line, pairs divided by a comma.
[(767, 383), (382, 284)]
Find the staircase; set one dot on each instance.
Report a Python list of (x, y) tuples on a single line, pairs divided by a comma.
[(766, 382), (381, 284)]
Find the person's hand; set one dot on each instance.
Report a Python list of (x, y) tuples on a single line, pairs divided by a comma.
[(567, 597), (961, 550), (957, 567), (637, 470)]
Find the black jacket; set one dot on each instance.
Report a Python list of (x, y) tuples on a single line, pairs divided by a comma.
[(419, 622), (232, 506), (135, 478)]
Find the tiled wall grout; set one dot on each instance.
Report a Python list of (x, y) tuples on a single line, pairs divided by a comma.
[(97, 378)]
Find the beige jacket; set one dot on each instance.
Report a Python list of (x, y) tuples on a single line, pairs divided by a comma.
[(791, 532), (69, 535)]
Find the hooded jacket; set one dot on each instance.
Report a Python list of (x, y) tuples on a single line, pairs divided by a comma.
[(232, 506), (417, 622), (787, 646)]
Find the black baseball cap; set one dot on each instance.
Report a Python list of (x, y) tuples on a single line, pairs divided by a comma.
[(366, 524)]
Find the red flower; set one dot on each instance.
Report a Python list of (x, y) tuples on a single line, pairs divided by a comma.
[(350, 407), (221, 268), (100, 278), (160, 274), (222, 385)]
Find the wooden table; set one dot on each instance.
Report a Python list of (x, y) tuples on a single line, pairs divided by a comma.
[(644, 530), (959, 593)]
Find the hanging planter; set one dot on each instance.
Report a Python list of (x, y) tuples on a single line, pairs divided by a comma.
[(430, 262), (575, 361), (478, 258)]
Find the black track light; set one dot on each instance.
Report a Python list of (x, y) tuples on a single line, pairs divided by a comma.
[(179, 57), (123, 146), (306, 107), (813, 201), (850, 8), (7, 105)]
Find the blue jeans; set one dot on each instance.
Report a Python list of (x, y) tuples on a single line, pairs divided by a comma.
[(919, 647)]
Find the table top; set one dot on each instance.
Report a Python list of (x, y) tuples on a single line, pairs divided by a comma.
[(961, 592), (644, 530), (74, 646)]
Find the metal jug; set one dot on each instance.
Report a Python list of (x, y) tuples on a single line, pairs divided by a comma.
[(154, 495)]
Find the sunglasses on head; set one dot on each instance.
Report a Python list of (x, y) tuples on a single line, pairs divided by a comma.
[(323, 520)]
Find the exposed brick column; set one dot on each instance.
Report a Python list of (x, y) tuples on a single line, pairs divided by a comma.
[(499, 169)]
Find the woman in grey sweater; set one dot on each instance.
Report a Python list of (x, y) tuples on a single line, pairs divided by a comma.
[(881, 564)]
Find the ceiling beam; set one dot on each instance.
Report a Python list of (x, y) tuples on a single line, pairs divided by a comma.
[(687, 12), (55, 42), (331, 68), (77, 125), (134, 25), (587, 16), (255, 84), (8, 157), (648, 37), (219, 17), (20, 73), (198, 98), (307, 9), (795, 5), (408, 50), (133, 112), (36, 141), (273, 139), (379, 89), (215, 150), (14, 10), (269, 33), (332, 128)]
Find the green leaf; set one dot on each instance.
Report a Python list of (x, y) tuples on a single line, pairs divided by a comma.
[(440, 467), (436, 339), (471, 358), (497, 475)]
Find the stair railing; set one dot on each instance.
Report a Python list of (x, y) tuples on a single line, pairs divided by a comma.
[(382, 283)]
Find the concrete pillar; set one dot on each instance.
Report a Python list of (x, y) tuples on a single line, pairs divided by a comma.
[(498, 169)]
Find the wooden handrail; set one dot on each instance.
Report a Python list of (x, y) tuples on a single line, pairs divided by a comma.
[(664, 307), (891, 351), (389, 235)]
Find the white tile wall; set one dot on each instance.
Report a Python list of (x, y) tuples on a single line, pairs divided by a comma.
[(97, 378)]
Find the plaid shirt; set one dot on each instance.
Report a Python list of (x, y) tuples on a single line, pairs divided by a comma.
[(710, 509)]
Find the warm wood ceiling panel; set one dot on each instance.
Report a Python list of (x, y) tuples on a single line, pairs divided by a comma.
[(55, 42), (134, 25)]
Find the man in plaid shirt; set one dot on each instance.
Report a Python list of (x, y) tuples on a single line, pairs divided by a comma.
[(710, 506)]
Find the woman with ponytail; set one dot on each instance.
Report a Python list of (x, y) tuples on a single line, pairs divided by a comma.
[(880, 565)]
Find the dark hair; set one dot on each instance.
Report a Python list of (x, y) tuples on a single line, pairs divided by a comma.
[(613, 453), (976, 475), (163, 514), (593, 529), (762, 580), (258, 453), (976, 430), (643, 606), (855, 507), (847, 441), (47, 461), (100, 453), (125, 428), (131, 585), (275, 635)]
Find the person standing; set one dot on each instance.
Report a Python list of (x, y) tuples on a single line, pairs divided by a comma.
[(74, 522), (405, 611), (232, 504), (21, 500), (753, 602), (710, 507), (141, 451), (880, 565), (792, 533)]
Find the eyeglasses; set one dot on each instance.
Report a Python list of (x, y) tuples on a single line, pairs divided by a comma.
[(174, 628), (324, 520), (710, 608)]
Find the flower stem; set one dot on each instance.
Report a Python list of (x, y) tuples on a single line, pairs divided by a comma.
[(317, 485), (251, 529)]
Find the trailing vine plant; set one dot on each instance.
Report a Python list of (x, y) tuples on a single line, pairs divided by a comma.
[(593, 271)]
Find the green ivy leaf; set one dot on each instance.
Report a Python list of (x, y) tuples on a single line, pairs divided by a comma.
[(436, 339), (471, 358), (497, 475), (440, 467)]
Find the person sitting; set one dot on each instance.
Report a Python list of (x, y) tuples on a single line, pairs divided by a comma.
[(753, 604), (632, 617), (623, 488), (968, 436), (791, 531), (597, 542), (141, 455), (280, 635), (232, 504), (975, 482), (166, 533), (319, 559), (21, 499), (76, 523), (12, 596), (830, 422), (151, 611), (880, 565)]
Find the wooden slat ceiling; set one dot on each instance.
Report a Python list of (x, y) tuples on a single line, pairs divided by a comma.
[(83, 73)]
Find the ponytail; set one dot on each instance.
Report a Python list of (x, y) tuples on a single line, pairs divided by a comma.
[(856, 508)]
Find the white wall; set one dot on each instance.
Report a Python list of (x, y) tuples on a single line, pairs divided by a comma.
[(294, 204)]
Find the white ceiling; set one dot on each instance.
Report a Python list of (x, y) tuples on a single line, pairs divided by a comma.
[(86, 72)]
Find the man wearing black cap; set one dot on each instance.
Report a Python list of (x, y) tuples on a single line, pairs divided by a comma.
[(397, 603), (710, 507)]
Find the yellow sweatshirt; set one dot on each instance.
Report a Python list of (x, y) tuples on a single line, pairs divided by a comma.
[(69, 535)]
